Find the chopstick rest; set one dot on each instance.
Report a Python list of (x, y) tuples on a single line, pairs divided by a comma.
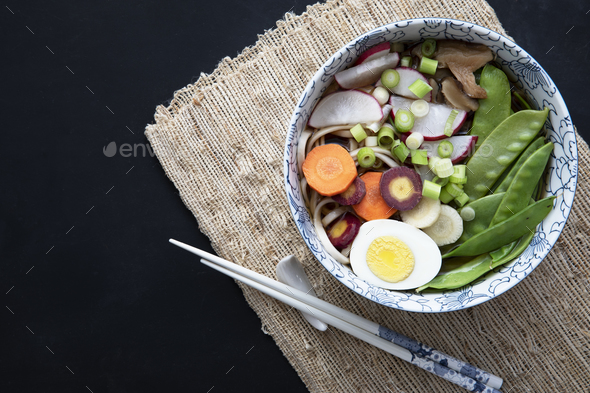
[(290, 272)]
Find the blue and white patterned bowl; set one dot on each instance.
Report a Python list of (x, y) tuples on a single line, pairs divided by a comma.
[(561, 179)]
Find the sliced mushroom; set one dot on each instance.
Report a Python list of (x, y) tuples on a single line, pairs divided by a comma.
[(442, 73), (462, 58), (452, 91), (416, 51), (435, 90)]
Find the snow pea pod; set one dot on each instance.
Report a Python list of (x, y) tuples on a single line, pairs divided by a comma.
[(502, 251), (505, 232), (461, 275), (496, 107), (505, 182), (500, 149), (522, 187), (517, 249), (468, 272), (484, 209)]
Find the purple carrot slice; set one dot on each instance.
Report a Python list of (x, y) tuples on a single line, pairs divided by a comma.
[(401, 188), (353, 195), (343, 231)]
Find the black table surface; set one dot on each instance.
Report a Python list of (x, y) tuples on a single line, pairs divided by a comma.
[(95, 299)]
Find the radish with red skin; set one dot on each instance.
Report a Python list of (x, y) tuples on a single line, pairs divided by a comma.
[(366, 73), (353, 195), (463, 146), (374, 53), (431, 126), (407, 76), (343, 231), (346, 107)]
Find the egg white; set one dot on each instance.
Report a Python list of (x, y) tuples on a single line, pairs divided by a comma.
[(427, 257)]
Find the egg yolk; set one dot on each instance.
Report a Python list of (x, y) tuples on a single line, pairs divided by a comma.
[(390, 259)]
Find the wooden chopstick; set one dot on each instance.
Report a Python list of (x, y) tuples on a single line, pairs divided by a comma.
[(353, 324)]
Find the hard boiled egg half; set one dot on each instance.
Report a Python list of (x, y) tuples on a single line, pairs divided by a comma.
[(393, 255)]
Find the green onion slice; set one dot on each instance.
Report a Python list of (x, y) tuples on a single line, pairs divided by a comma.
[(404, 120), (390, 125), (406, 61), (444, 168), (419, 157), (420, 88), (450, 120), (390, 78), (415, 140), (358, 132), (454, 190), (445, 149), (439, 181), (459, 176), (366, 157), (430, 189), (385, 137), (381, 94), (386, 124), (432, 163), (467, 214), (401, 151), (371, 141), (428, 66), (428, 47), (462, 199), (420, 108), (445, 197)]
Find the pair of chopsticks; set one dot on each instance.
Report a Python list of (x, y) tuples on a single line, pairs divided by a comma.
[(445, 366)]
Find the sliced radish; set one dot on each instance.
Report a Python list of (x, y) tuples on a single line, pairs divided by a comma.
[(346, 107), (367, 73), (374, 52), (432, 126), (407, 76), (463, 146)]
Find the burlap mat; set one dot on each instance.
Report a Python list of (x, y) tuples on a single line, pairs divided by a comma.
[(221, 142)]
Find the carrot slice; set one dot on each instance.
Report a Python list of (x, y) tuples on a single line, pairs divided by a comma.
[(329, 169), (373, 206)]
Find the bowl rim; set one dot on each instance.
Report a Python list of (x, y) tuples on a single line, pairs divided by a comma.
[(393, 26)]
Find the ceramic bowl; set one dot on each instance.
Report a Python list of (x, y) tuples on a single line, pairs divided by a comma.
[(528, 75)]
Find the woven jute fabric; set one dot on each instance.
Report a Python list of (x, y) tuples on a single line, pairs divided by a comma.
[(221, 142)]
